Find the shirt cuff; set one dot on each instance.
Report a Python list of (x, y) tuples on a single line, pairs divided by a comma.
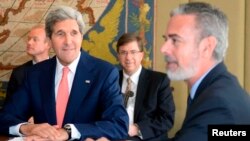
[(15, 130), (139, 134), (75, 134)]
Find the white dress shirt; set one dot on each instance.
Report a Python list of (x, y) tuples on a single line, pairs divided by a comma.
[(131, 101), (75, 134)]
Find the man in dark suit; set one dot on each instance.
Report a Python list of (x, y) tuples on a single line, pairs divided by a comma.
[(38, 46), (150, 105), (196, 41), (91, 96)]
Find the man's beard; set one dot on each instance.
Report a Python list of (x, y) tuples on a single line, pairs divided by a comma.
[(181, 73)]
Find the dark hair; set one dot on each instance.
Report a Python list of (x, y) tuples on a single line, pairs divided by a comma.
[(127, 38)]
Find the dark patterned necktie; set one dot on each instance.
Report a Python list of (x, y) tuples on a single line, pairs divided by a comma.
[(128, 92)]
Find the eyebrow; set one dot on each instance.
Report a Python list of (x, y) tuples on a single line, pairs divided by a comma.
[(174, 36), (171, 36)]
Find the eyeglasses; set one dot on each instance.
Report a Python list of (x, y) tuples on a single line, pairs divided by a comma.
[(132, 52)]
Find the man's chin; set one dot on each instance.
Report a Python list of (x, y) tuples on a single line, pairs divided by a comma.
[(174, 76), (177, 76)]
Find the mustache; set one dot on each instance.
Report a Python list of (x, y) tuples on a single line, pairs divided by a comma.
[(170, 59)]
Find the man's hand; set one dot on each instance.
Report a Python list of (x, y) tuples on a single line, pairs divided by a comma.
[(43, 132), (133, 130)]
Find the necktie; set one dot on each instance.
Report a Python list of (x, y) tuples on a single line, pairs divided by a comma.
[(62, 97), (128, 92)]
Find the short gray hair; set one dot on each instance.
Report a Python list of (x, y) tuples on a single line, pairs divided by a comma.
[(62, 13), (210, 21)]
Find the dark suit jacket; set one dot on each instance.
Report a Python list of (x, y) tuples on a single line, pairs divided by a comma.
[(219, 99), (154, 106), (17, 78), (95, 104)]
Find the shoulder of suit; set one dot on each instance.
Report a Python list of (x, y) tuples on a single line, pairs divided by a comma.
[(23, 66), (153, 72), (44, 65), (97, 62)]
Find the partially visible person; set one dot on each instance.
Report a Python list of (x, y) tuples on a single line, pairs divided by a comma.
[(151, 107), (72, 96), (38, 46), (196, 41)]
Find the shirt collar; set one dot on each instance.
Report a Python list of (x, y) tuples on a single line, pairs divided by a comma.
[(34, 62), (72, 66), (197, 83), (134, 77)]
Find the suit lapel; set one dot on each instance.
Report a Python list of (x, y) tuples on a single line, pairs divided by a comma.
[(140, 94), (80, 87), (120, 80), (220, 68), (208, 80), (47, 84)]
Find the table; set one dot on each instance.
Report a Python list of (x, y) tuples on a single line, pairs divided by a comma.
[(3, 138)]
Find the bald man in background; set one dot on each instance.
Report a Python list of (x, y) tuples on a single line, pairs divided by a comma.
[(38, 46)]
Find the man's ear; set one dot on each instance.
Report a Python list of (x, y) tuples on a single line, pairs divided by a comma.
[(143, 54), (208, 46), (49, 43)]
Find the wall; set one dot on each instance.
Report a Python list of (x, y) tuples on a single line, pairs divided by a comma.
[(237, 60)]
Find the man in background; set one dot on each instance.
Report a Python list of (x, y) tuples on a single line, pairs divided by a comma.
[(72, 96), (38, 46), (147, 94), (196, 41)]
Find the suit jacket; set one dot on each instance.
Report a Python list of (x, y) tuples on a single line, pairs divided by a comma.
[(219, 99), (95, 104), (17, 78), (154, 106)]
